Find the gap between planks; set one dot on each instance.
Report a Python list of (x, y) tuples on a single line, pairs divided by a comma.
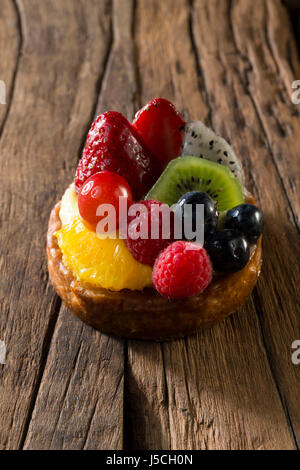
[(60, 310)]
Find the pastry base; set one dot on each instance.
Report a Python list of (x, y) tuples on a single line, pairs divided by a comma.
[(147, 315)]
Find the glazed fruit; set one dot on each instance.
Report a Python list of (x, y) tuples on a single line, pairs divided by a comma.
[(99, 262), (194, 199), (228, 250), (69, 206), (203, 142), (162, 129), (186, 174), (149, 223), (104, 187), (247, 219), (182, 270), (113, 144)]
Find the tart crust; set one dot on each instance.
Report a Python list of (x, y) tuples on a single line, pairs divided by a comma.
[(147, 315)]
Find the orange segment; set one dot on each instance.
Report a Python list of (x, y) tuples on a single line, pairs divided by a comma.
[(103, 263)]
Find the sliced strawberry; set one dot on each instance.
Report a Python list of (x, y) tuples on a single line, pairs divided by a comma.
[(162, 129), (113, 144)]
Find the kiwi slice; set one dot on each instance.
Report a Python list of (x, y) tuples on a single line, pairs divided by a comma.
[(189, 173)]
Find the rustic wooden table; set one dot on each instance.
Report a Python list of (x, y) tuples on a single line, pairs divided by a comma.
[(65, 385)]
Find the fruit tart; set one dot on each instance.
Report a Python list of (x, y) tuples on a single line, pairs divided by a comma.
[(157, 237)]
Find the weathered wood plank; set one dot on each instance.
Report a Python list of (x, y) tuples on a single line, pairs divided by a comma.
[(269, 49), (146, 398), (10, 42), (80, 399), (275, 63), (84, 406), (120, 90), (248, 73), (230, 387), (165, 58), (221, 391), (54, 95)]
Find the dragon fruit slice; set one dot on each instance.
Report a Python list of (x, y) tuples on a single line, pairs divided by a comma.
[(203, 142)]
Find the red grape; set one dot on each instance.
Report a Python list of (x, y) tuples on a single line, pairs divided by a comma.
[(105, 187)]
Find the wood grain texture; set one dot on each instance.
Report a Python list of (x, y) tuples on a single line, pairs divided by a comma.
[(119, 91), (250, 77), (80, 399), (85, 404), (53, 101), (66, 386), (10, 43), (196, 383)]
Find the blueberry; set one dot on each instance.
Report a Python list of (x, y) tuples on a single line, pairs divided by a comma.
[(194, 198), (229, 250), (247, 219)]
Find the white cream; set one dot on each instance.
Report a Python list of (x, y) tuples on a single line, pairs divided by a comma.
[(69, 206)]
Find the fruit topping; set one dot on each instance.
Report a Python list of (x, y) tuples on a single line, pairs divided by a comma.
[(162, 128), (188, 211), (99, 190), (69, 206), (204, 185), (147, 235), (190, 173), (221, 220), (113, 144), (228, 250), (203, 142), (182, 270), (247, 219), (105, 263)]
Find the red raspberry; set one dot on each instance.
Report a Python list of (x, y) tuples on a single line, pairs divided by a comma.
[(146, 250), (183, 269)]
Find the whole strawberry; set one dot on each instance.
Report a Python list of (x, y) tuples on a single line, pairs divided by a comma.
[(150, 230), (182, 270), (114, 145), (162, 129)]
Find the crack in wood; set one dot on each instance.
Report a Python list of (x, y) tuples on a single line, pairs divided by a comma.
[(258, 114), (166, 391), (200, 71), (270, 358), (126, 421), (89, 425), (57, 304), (137, 100), (289, 202), (99, 83), (67, 387), (44, 356), (293, 8)]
